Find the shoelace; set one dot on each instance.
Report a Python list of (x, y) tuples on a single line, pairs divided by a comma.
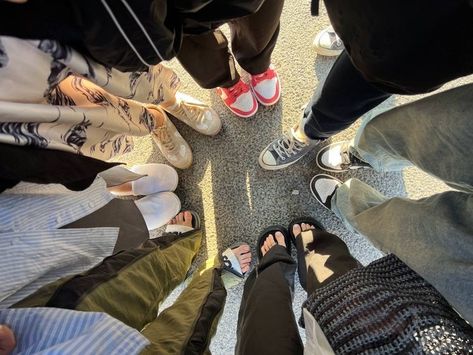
[(288, 146), (191, 111), (165, 138), (237, 89), (262, 75)]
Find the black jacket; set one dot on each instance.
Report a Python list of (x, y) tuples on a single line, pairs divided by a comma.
[(406, 46), (124, 34), (47, 166)]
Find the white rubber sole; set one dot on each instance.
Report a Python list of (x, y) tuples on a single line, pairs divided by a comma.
[(324, 51), (277, 167), (312, 190)]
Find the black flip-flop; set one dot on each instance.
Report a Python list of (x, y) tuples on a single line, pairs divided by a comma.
[(306, 220), (272, 230), (301, 265)]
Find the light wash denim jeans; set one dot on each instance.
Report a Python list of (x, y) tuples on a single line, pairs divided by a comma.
[(433, 235)]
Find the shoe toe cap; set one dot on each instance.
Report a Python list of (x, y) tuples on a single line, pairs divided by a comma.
[(268, 159)]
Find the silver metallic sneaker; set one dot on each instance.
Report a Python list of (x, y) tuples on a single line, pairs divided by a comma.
[(327, 43), (196, 114), (171, 144), (338, 157), (285, 151)]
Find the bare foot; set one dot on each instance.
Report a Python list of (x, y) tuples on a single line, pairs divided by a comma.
[(183, 219), (297, 229), (270, 242), (123, 189), (243, 254)]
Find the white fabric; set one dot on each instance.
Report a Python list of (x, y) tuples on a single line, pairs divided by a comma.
[(316, 342), (34, 207), (159, 178), (177, 228), (158, 209), (33, 251)]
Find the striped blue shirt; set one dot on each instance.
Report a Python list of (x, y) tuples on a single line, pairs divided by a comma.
[(33, 252), (59, 331)]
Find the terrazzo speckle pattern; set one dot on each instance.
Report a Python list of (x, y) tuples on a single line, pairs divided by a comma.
[(235, 197)]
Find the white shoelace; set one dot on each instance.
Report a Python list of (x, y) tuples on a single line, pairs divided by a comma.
[(190, 110), (288, 145)]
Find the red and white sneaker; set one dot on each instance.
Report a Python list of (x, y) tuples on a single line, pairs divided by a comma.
[(266, 87), (239, 99)]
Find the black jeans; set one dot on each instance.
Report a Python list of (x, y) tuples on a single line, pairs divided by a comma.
[(344, 97), (266, 322), (207, 59)]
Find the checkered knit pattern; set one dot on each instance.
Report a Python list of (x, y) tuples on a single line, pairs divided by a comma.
[(386, 308)]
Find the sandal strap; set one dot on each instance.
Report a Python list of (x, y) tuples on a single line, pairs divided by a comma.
[(177, 228), (231, 263)]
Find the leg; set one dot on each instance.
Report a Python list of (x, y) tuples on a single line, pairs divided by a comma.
[(433, 236), (266, 322), (130, 285), (343, 98), (322, 257), (210, 47), (434, 133), (189, 324), (254, 37)]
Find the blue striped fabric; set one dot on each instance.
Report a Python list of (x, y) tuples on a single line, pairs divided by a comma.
[(29, 260), (58, 331), (33, 252), (32, 206)]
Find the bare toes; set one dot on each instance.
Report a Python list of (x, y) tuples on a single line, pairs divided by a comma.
[(280, 239), (296, 230), (306, 226), (245, 248), (188, 218)]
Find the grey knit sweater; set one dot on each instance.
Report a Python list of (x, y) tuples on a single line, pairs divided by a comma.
[(386, 308)]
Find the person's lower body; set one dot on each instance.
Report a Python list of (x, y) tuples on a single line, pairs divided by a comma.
[(344, 96), (253, 40), (96, 116), (266, 307), (130, 285), (266, 322), (135, 218), (433, 235)]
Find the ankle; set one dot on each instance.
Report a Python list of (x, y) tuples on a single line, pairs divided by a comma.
[(300, 135)]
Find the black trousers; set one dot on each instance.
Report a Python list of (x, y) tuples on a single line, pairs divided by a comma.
[(266, 322), (345, 96), (207, 59)]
